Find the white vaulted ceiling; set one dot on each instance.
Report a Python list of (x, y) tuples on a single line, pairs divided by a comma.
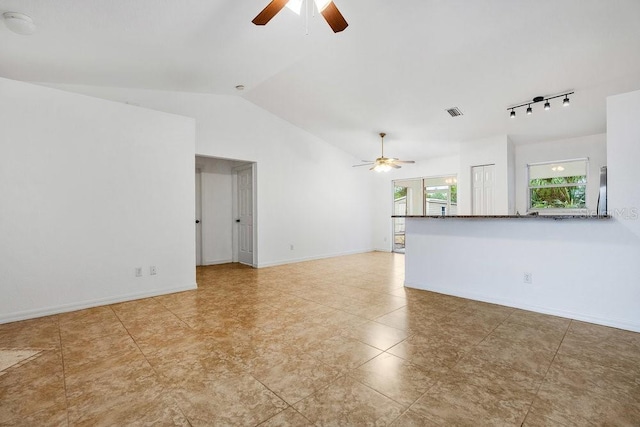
[(396, 68)]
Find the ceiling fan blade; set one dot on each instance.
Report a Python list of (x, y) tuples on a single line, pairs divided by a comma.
[(364, 164), (393, 165), (334, 18), (404, 161), (269, 12)]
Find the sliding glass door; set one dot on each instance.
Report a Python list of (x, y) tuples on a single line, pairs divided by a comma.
[(407, 200), (422, 196)]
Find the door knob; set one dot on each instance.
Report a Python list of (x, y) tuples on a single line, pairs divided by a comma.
[(237, 220), (197, 221)]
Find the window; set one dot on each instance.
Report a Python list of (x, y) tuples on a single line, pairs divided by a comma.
[(558, 185), (441, 195)]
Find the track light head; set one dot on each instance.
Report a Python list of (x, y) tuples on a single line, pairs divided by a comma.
[(565, 101), (547, 106), (513, 113), (529, 110)]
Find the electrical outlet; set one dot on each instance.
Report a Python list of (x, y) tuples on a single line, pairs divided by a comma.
[(138, 271), (152, 270), (290, 247), (528, 278)]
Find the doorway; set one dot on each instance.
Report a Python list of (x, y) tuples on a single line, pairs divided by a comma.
[(217, 233)]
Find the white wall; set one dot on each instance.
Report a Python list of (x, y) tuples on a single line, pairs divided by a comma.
[(309, 196), (217, 220), (89, 190), (623, 155), (493, 150), (593, 146)]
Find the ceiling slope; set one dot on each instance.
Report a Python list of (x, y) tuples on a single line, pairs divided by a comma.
[(396, 68)]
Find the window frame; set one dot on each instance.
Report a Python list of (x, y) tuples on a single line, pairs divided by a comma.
[(556, 211)]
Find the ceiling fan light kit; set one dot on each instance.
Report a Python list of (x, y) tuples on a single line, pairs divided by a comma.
[(547, 104), (295, 6), (326, 8), (382, 163)]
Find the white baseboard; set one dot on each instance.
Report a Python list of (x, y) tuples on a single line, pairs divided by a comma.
[(48, 311), (217, 262), (614, 323), (312, 258)]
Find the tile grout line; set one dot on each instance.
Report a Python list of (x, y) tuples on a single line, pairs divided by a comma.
[(389, 397), (348, 376), (157, 374), (288, 407), (474, 346), (291, 405), (135, 342), (458, 361), (169, 310), (535, 396), (412, 403), (64, 372)]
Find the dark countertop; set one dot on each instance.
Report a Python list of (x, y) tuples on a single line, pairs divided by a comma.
[(555, 217)]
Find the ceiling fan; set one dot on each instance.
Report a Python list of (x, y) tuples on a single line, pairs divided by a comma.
[(326, 7), (382, 163)]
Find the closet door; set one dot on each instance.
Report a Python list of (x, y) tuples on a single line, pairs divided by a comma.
[(488, 186), (483, 194)]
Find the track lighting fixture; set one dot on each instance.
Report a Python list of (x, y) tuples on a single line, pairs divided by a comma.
[(547, 104)]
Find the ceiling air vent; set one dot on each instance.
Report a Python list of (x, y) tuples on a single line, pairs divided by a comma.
[(454, 111)]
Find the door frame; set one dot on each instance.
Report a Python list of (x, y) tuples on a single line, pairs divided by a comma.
[(254, 205), (198, 215)]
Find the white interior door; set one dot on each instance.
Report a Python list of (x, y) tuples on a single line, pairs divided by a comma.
[(198, 217), (476, 173), (245, 215), (483, 195), (488, 184)]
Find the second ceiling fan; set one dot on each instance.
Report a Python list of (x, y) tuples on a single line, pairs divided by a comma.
[(327, 8), (382, 163)]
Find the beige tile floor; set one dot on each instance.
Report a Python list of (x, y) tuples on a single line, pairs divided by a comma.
[(330, 342)]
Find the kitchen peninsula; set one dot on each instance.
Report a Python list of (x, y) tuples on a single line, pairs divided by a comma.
[(547, 264)]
